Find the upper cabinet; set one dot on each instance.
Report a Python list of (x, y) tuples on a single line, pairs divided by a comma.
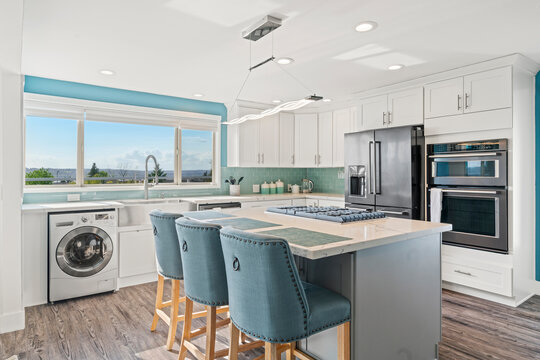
[(286, 140), (258, 142), (342, 124), (305, 140), (248, 139), (487, 90), (325, 139), (395, 109)]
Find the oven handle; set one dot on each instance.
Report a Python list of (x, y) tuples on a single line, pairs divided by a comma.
[(464, 155), (490, 192)]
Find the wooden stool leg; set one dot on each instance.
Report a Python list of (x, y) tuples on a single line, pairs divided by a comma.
[(210, 332), (175, 295), (233, 346), (186, 333), (159, 301), (270, 351), (290, 351), (243, 338), (344, 341)]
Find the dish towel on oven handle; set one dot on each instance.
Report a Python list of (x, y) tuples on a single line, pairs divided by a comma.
[(435, 204)]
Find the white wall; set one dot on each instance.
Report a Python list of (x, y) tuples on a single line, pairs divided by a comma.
[(11, 166)]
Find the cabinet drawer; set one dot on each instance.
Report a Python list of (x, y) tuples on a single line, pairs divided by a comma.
[(478, 275)]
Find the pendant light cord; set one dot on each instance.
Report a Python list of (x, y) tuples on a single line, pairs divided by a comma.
[(310, 91)]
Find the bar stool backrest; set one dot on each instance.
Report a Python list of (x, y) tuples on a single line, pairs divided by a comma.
[(266, 297), (168, 258), (204, 270)]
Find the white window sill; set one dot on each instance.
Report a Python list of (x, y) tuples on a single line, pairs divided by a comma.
[(84, 189)]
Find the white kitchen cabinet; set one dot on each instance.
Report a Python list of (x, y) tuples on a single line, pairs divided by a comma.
[(482, 91), (299, 202), (305, 140), (137, 253), (269, 141), (444, 98), (286, 139), (374, 112), (341, 125), (325, 138), (248, 154), (488, 90), (356, 119), (406, 108), (312, 202)]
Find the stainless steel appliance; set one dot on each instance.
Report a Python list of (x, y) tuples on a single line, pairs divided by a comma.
[(473, 179), (222, 205), (383, 171)]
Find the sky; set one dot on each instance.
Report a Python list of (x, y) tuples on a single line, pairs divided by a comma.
[(52, 143)]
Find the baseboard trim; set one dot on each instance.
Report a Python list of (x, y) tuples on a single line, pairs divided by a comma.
[(12, 322), (505, 300)]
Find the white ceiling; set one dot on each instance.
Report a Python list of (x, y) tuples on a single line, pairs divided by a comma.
[(182, 47)]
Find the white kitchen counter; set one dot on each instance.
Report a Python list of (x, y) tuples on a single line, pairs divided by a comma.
[(261, 197), (72, 206)]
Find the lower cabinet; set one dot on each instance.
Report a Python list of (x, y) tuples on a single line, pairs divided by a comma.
[(336, 203), (137, 253), (268, 203)]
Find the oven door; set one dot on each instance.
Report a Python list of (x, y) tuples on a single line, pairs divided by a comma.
[(471, 169), (478, 216)]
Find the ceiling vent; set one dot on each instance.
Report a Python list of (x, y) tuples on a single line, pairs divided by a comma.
[(261, 28)]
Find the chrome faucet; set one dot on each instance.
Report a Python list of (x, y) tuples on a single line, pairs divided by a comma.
[(156, 180)]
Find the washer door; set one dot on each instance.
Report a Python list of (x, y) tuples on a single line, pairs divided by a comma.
[(84, 251)]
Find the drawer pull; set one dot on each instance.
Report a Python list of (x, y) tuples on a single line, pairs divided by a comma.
[(463, 272)]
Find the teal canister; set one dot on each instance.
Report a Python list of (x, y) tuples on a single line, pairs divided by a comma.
[(272, 188), (279, 186), (265, 188)]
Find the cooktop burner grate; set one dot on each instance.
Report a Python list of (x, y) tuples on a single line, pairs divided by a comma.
[(328, 213)]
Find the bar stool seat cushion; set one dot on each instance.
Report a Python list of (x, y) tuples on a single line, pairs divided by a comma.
[(327, 308)]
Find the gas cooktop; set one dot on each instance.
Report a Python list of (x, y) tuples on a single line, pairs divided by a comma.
[(328, 213)]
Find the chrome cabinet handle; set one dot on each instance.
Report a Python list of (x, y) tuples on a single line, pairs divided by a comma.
[(394, 212), (378, 167), (459, 102), (262, 157), (467, 97), (389, 117), (384, 118), (258, 158), (315, 159), (463, 272), (463, 155), (319, 159), (292, 159), (371, 167)]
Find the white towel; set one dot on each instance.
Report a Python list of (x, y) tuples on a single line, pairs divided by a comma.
[(435, 203)]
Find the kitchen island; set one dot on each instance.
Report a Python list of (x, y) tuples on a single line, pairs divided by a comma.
[(389, 268)]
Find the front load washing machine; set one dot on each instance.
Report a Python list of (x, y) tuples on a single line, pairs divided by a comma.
[(83, 253)]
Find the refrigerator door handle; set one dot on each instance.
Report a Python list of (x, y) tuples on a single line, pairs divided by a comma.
[(377, 167), (371, 173)]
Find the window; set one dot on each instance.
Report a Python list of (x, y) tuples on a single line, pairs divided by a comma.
[(197, 156), (51, 151), (79, 143), (115, 153)]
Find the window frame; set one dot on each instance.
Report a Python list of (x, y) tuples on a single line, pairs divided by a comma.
[(85, 110)]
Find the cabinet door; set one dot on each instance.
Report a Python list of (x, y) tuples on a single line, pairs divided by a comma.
[(249, 154), (356, 118), (374, 112), (305, 140), (324, 157), (269, 141), (286, 140), (406, 108), (137, 253), (488, 90), (341, 125), (444, 98)]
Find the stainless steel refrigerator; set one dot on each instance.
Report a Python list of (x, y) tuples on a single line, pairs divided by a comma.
[(384, 171)]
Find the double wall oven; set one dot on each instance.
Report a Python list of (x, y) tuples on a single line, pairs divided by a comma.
[(473, 179)]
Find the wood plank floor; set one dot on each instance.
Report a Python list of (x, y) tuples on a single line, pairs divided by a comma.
[(116, 326)]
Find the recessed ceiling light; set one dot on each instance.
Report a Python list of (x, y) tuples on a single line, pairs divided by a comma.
[(285, 61), (396, 67), (366, 26), (276, 101), (198, 95), (326, 100), (106, 72)]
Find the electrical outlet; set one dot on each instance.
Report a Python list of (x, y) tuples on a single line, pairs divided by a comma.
[(74, 197), (341, 175)]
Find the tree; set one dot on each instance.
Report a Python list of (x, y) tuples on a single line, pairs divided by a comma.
[(160, 172), (93, 170), (39, 173)]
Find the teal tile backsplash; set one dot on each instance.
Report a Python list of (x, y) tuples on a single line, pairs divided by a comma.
[(325, 180)]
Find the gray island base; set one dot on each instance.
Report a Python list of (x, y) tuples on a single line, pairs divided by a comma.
[(390, 270)]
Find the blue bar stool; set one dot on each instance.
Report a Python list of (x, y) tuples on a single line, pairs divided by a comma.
[(205, 283), (169, 266), (268, 301)]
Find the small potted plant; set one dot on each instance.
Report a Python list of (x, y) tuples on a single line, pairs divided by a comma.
[(234, 186)]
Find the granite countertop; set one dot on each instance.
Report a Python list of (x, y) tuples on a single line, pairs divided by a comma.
[(329, 238), (72, 206)]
